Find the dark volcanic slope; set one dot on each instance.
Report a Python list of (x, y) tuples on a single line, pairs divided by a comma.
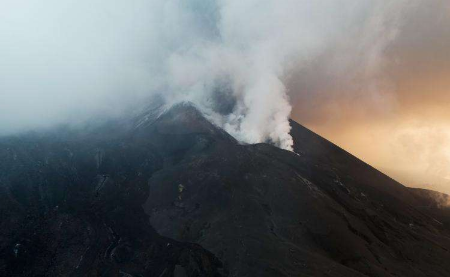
[(175, 196)]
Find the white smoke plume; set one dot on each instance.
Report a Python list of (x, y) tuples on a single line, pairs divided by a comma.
[(66, 59)]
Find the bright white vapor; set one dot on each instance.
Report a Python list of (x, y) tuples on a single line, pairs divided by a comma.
[(67, 60)]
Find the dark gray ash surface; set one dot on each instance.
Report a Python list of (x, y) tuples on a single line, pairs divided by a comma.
[(173, 195)]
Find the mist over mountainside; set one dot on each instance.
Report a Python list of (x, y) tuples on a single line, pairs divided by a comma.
[(167, 193), (72, 62), (338, 67)]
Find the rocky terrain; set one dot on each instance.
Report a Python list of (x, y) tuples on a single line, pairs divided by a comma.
[(172, 195)]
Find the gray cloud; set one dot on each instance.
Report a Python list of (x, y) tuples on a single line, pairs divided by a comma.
[(70, 61), (394, 61)]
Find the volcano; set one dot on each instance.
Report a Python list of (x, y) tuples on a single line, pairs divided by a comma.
[(170, 194)]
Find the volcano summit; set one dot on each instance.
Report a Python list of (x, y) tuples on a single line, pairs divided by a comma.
[(171, 194)]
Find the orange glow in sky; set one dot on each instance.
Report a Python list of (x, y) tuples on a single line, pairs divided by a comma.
[(398, 119)]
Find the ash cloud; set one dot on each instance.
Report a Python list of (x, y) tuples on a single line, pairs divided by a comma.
[(71, 61)]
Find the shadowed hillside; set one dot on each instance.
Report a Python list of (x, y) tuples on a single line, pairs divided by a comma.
[(173, 195)]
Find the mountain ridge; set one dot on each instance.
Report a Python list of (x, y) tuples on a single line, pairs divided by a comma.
[(170, 194)]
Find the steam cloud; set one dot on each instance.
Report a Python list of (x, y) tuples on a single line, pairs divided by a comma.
[(65, 60)]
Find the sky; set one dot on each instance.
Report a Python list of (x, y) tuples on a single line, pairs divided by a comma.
[(404, 128), (372, 76)]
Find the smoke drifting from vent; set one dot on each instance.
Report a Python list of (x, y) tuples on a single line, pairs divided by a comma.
[(66, 60)]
